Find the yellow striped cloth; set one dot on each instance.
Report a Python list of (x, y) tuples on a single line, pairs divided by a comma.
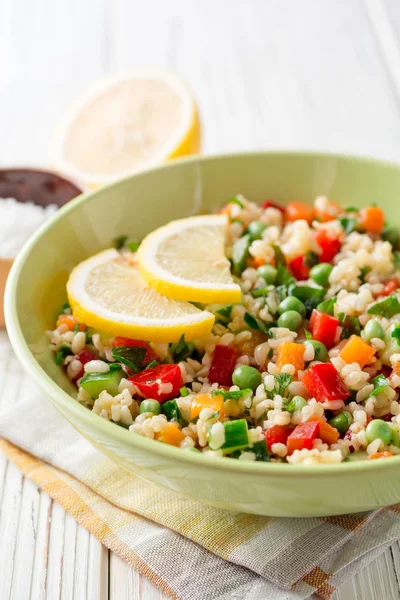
[(189, 550)]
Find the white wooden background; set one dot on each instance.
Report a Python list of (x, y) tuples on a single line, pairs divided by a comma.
[(321, 74)]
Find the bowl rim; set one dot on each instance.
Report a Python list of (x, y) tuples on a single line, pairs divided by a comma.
[(122, 435)]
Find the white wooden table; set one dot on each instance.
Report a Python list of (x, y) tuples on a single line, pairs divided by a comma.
[(320, 74)]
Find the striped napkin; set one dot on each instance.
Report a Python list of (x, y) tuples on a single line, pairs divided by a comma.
[(189, 550)]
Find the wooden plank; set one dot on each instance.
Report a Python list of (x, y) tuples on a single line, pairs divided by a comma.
[(41, 558), (125, 582), (54, 579), (26, 534), (97, 574), (377, 581), (9, 521)]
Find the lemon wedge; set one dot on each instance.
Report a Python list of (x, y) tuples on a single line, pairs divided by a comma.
[(107, 293), (186, 260), (126, 123)]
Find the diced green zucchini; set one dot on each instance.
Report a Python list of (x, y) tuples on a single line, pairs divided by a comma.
[(236, 436), (240, 252), (392, 347), (95, 383)]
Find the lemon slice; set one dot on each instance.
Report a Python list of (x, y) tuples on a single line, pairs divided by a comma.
[(126, 123), (108, 294), (185, 260)]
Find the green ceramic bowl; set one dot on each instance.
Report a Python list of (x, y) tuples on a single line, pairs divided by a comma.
[(135, 206)]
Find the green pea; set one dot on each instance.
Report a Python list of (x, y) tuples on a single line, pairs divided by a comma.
[(246, 377), (320, 351), (373, 329), (342, 421), (255, 229), (292, 303), (296, 403), (290, 319), (320, 273), (150, 406), (268, 273), (378, 429), (391, 235)]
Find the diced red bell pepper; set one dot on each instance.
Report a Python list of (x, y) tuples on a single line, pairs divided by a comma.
[(323, 327), (277, 434), (299, 268), (271, 204), (302, 436), (159, 383), (324, 383), (84, 356), (120, 342), (329, 246), (391, 286), (222, 364)]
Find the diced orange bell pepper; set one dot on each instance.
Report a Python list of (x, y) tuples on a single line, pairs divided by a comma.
[(372, 219), (299, 210), (327, 433), (257, 261), (385, 454), (357, 351), (206, 401), (171, 435), (70, 322), (396, 369), (290, 353)]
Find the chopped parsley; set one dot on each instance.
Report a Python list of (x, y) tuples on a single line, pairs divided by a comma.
[(311, 259), (133, 246), (348, 224), (380, 383), (351, 325), (255, 323), (327, 306), (386, 308), (131, 356)]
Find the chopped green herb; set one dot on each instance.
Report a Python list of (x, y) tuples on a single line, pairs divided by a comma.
[(66, 306), (173, 413), (283, 277), (311, 259), (380, 383), (184, 392), (236, 200), (260, 450), (226, 311), (396, 333), (255, 323), (307, 334), (260, 292), (123, 425), (152, 364), (119, 242), (227, 395), (240, 252), (279, 256), (281, 290), (351, 325), (283, 380), (386, 308), (133, 246), (348, 225), (59, 357), (181, 350), (310, 296), (351, 209), (364, 272), (270, 354), (327, 306), (76, 328), (131, 356)]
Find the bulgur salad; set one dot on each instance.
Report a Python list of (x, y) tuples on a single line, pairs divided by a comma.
[(304, 369)]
